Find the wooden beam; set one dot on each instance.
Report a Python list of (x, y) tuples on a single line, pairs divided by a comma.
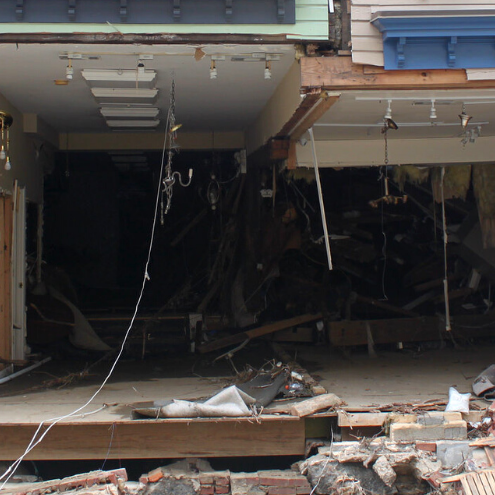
[(162, 439), (354, 332), (311, 109), (339, 73), (385, 306), (321, 106), (258, 332)]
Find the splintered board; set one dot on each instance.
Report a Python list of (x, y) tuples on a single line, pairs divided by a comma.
[(354, 332), (149, 439)]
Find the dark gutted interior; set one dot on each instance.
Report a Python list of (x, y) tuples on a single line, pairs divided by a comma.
[(247, 249)]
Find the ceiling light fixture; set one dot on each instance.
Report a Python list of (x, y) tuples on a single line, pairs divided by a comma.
[(125, 95), (6, 121), (268, 70), (117, 75), (171, 176), (465, 118), (433, 111), (132, 123), (213, 70), (130, 112)]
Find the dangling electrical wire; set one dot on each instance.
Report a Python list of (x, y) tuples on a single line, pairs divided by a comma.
[(38, 436), (448, 327)]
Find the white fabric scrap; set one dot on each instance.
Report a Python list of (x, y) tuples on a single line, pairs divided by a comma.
[(230, 402)]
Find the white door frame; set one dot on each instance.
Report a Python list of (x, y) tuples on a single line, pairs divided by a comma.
[(19, 329)]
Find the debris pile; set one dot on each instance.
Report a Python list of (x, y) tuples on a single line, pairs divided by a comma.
[(195, 476), (92, 483)]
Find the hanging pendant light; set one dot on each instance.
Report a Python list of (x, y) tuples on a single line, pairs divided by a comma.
[(6, 121), (465, 118)]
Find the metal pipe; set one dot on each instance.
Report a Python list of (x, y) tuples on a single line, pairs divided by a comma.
[(24, 371), (320, 198)]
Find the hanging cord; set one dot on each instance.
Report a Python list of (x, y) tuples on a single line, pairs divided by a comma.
[(38, 436), (448, 327), (385, 183), (320, 197)]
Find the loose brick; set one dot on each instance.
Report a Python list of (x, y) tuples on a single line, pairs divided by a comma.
[(427, 446), (206, 478), (435, 418), (303, 490), (282, 478), (143, 480), (249, 478), (222, 489), (222, 480), (155, 475), (406, 432), (207, 490), (282, 490)]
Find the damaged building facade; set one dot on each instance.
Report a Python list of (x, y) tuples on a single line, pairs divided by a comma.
[(248, 229)]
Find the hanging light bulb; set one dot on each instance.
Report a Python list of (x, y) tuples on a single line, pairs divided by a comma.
[(433, 111), (465, 118), (268, 70), (69, 71), (388, 114), (2, 150), (6, 121), (213, 70)]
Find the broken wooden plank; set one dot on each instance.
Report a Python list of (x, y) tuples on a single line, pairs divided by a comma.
[(483, 442), (86, 480), (353, 420), (490, 454), (310, 406), (354, 332), (258, 332), (385, 306)]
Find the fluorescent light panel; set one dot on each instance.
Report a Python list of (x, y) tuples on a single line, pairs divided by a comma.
[(118, 75), (130, 112), (131, 93), (132, 123)]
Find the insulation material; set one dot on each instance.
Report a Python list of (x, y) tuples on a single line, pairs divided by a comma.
[(302, 173), (484, 185), (456, 183), (409, 173), (82, 334)]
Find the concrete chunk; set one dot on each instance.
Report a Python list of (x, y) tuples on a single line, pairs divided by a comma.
[(410, 432)]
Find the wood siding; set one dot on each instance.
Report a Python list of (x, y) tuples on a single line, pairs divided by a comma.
[(367, 47)]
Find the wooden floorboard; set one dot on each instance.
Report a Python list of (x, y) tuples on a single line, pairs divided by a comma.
[(150, 439)]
